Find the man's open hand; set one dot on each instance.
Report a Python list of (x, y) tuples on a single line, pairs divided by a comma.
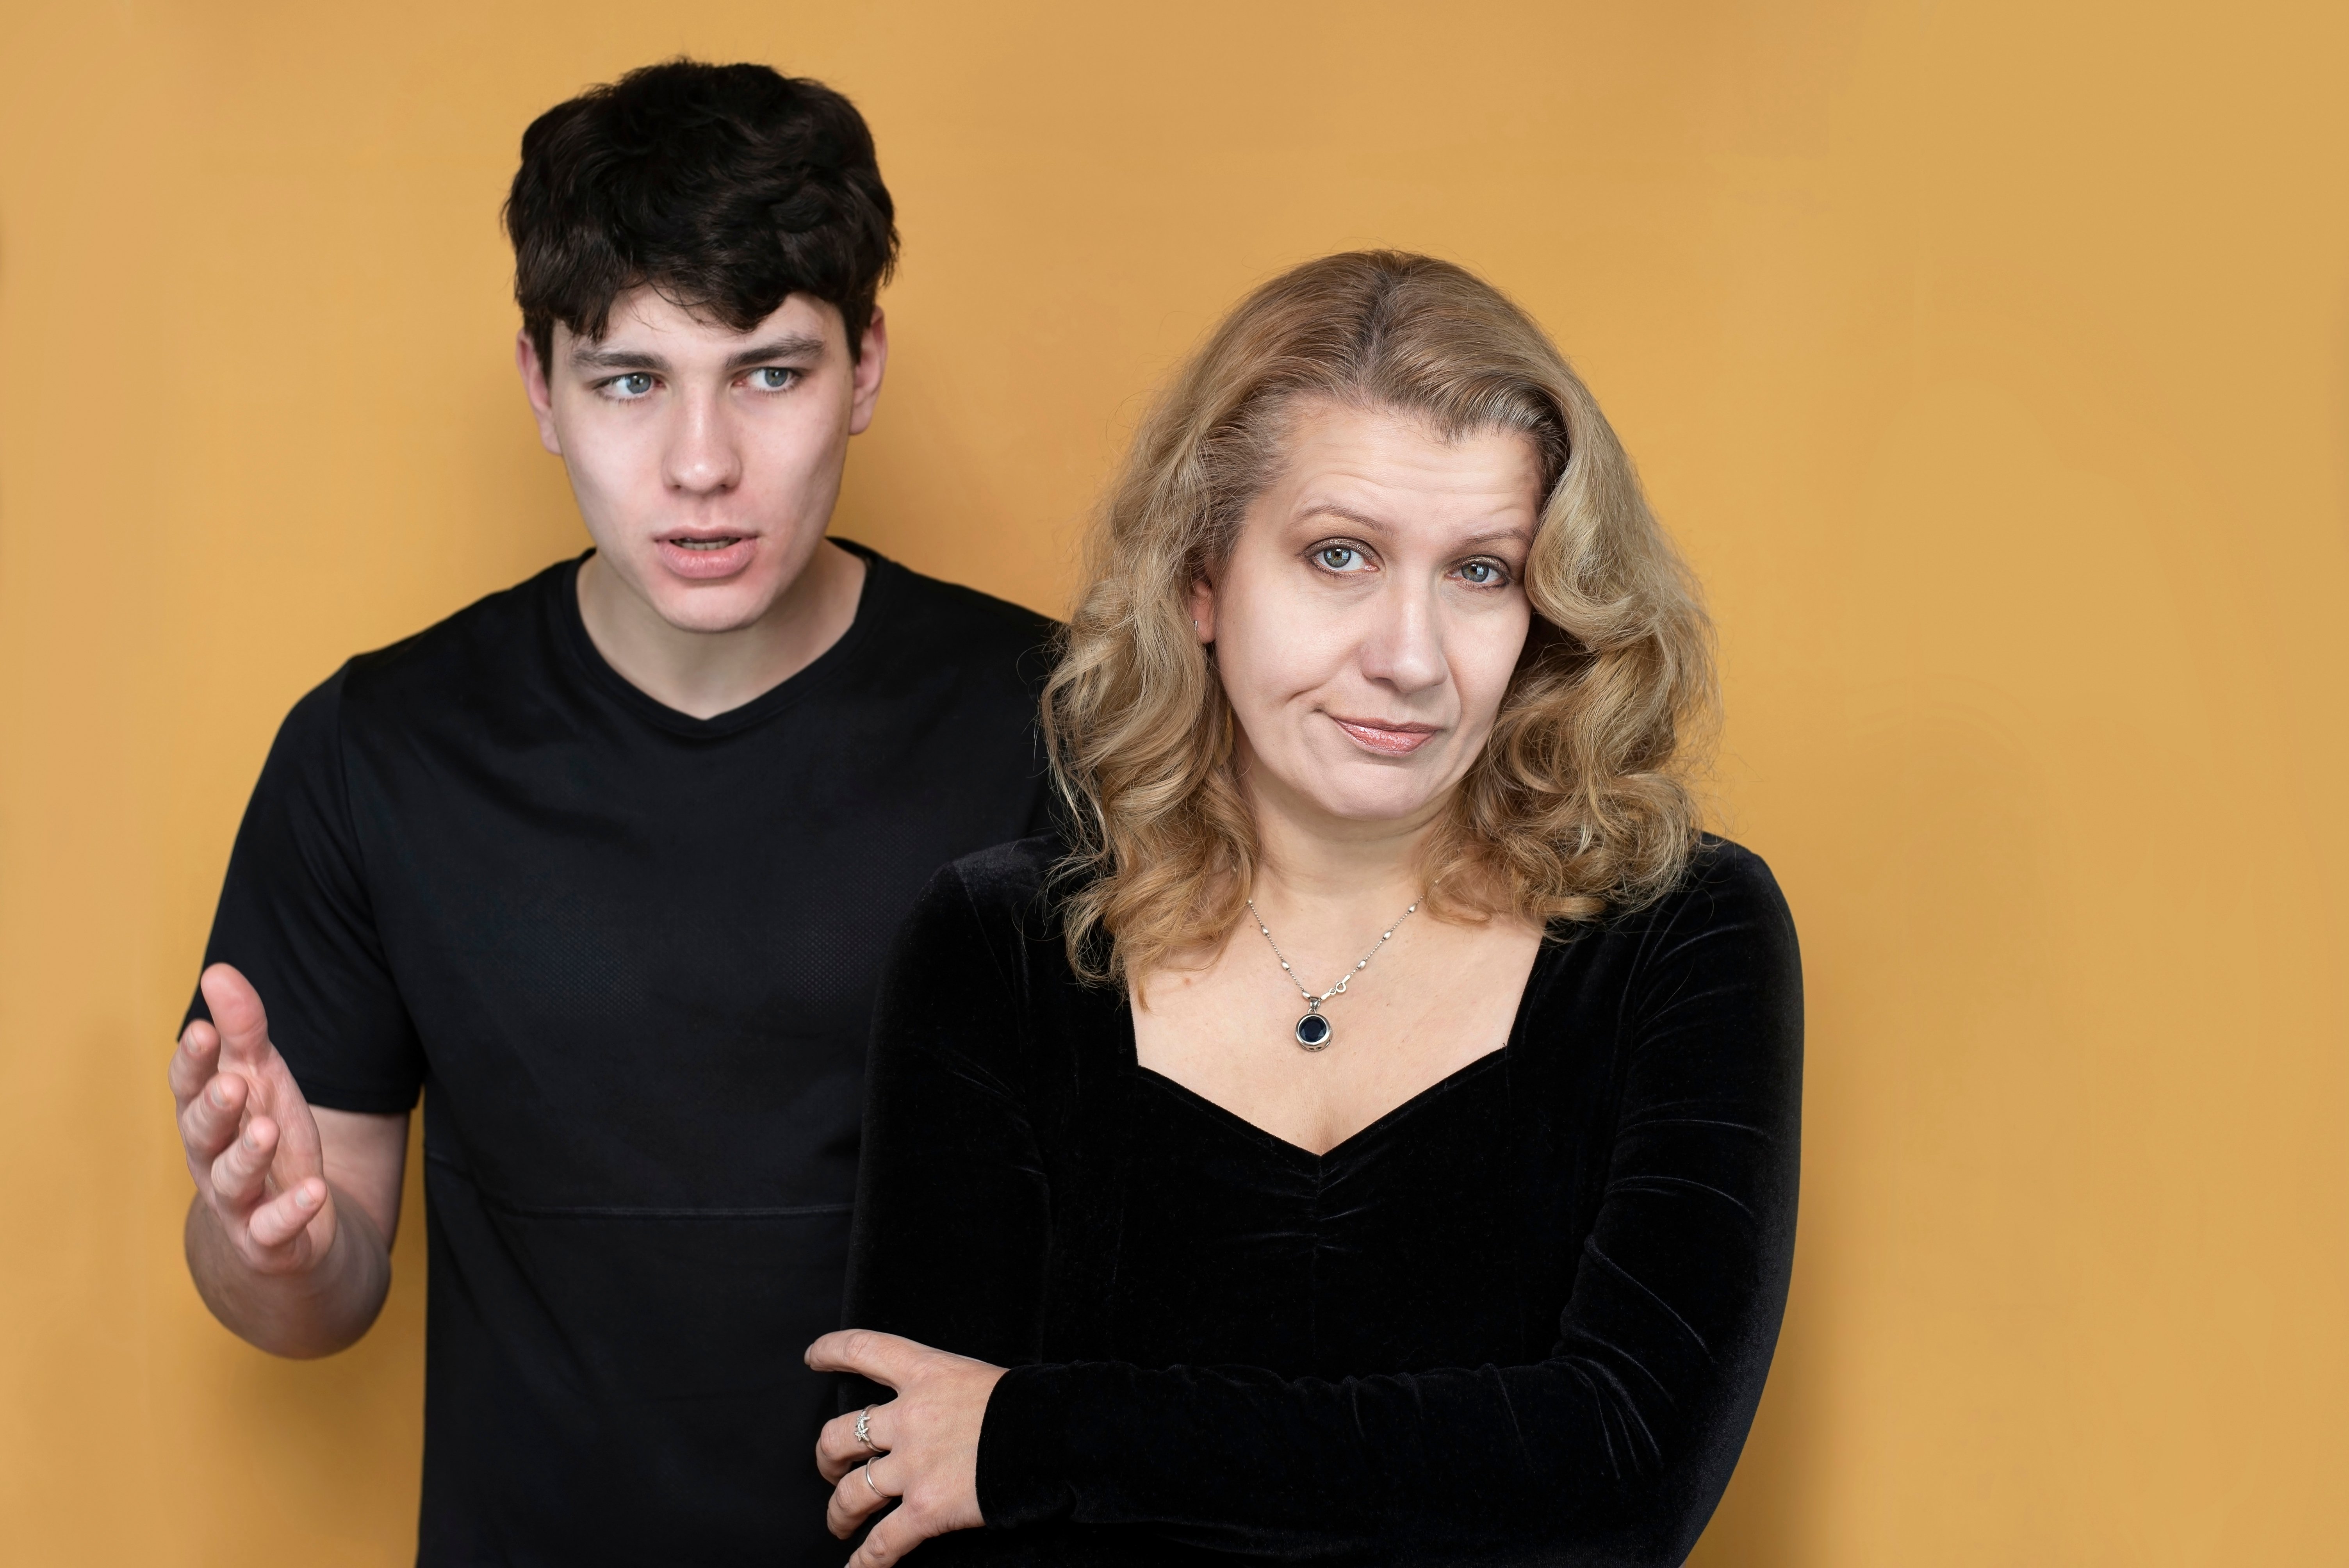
[(251, 1143)]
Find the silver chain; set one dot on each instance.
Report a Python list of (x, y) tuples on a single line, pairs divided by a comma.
[(1313, 1002)]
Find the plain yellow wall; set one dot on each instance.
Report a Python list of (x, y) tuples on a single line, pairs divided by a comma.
[(1988, 359)]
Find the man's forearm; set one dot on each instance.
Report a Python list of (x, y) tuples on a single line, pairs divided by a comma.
[(311, 1314)]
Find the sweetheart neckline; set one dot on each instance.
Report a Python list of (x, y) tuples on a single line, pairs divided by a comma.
[(1225, 1113)]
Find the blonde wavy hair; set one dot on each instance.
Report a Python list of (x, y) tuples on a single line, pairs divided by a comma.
[(1582, 798)]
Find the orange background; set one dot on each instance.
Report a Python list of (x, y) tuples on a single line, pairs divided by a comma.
[(1988, 358)]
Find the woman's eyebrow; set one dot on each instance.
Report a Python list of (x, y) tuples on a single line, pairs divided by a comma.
[(1512, 534), (1331, 509)]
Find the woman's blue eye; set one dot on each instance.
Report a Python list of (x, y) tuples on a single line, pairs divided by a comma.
[(773, 377), (1337, 557), (1483, 573)]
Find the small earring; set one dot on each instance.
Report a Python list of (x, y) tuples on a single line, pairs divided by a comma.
[(1195, 623)]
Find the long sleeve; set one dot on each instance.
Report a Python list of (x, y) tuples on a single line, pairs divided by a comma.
[(951, 1205), (1612, 1448)]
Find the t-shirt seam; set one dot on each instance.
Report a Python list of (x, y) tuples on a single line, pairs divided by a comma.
[(412, 1086), (350, 825), (634, 1210), (324, 1092)]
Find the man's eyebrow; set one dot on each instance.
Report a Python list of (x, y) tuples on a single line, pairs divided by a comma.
[(792, 345), (585, 359)]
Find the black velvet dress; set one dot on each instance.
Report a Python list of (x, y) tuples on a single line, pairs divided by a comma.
[(1523, 1317)]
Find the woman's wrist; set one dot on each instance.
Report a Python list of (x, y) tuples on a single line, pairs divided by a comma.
[(1024, 1477)]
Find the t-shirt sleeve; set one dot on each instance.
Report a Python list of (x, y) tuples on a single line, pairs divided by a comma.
[(296, 918), (1623, 1433)]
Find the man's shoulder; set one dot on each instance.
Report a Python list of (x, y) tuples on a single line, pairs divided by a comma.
[(951, 614), (495, 638)]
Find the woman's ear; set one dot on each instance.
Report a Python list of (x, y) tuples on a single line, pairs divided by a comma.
[(1202, 609)]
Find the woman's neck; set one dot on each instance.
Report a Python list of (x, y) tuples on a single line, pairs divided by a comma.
[(1315, 868)]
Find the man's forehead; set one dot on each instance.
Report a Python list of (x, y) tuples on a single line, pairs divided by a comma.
[(646, 318)]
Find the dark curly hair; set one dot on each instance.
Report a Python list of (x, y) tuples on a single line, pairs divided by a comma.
[(726, 188)]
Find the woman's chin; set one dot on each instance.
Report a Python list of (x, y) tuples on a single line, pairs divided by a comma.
[(1376, 807)]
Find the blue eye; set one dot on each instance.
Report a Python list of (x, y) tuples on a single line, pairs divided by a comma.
[(1337, 557), (1483, 573), (633, 385), (773, 379)]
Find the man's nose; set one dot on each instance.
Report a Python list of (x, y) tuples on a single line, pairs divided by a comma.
[(1404, 647), (703, 458)]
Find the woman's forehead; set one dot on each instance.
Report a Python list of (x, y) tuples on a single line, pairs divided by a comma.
[(1376, 468)]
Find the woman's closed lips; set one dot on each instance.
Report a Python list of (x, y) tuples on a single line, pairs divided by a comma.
[(1391, 738)]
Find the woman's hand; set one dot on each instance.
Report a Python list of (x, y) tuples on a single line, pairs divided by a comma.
[(929, 1434)]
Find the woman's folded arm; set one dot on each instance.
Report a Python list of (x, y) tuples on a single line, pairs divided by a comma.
[(1626, 1429)]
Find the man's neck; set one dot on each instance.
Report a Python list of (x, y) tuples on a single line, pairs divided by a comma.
[(704, 674)]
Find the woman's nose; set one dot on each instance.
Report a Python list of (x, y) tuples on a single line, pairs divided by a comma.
[(1405, 648)]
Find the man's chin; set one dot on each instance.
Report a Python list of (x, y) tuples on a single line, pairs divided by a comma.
[(713, 607)]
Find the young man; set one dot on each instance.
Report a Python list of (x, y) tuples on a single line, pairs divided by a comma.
[(605, 867)]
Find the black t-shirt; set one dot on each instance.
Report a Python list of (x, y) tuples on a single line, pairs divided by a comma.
[(629, 957)]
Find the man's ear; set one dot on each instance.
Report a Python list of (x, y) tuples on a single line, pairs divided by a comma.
[(1202, 609), (864, 378), (534, 387)]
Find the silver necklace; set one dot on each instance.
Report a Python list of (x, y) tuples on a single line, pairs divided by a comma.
[(1313, 1032)]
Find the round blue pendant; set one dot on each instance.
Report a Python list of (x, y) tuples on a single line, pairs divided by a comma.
[(1313, 1031)]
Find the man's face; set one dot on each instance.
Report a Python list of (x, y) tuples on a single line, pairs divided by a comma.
[(706, 461)]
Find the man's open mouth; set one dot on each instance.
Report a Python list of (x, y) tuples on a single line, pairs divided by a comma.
[(706, 555)]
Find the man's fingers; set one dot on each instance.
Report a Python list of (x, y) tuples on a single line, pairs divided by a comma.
[(286, 1216), (884, 1357), (194, 1061), (240, 1175), (237, 1013), (208, 1125), (856, 1498)]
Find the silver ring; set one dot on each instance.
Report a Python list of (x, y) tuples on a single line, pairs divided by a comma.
[(865, 1469), (864, 1431)]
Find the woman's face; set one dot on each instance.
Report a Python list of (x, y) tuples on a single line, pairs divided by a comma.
[(1372, 612)]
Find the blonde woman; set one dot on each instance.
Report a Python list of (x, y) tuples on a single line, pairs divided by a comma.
[(1374, 1137)]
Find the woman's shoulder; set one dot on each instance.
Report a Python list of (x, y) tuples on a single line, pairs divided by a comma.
[(1723, 923), (1008, 878), (1001, 895), (1723, 867), (1723, 884)]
